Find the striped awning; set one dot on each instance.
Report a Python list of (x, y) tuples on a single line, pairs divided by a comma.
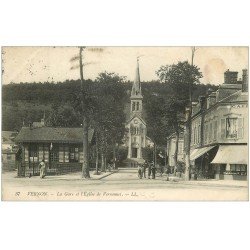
[(231, 154), (198, 152)]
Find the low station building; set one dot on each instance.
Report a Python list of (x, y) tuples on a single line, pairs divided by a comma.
[(219, 131), (61, 149)]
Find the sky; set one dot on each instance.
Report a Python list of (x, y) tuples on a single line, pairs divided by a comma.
[(53, 64)]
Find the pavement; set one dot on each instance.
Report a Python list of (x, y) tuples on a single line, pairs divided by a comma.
[(123, 185)]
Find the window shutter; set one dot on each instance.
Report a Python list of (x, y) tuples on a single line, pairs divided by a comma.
[(240, 128), (40, 153), (61, 154), (215, 130), (66, 154), (26, 153), (223, 128)]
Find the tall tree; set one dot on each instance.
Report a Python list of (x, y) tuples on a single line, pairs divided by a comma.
[(109, 114), (181, 77)]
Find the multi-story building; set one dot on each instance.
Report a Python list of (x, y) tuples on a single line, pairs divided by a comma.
[(219, 130)]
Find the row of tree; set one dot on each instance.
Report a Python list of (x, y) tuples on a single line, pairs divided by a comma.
[(101, 104)]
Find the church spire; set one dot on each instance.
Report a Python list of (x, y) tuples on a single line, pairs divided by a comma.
[(136, 88), (136, 95)]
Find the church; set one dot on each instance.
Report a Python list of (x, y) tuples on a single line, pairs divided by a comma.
[(136, 126)]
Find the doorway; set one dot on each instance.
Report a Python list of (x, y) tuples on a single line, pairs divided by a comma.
[(134, 152)]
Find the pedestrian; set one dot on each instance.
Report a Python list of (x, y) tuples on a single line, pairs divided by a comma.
[(42, 169), (144, 166), (149, 170), (153, 169), (140, 171), (161, 170)]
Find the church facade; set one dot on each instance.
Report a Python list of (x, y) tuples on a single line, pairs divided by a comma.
[(136, 126)]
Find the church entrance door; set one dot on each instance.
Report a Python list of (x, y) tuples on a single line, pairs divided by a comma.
[(134, 152)]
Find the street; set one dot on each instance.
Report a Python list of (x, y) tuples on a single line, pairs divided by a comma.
[(121, 185)]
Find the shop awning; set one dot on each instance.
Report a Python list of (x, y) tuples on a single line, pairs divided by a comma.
[(196, 153), (231, 154)]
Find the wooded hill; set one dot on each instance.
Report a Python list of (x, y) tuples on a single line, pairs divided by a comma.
[(23, 103)]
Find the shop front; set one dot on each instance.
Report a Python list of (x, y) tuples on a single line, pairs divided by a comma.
[(231, 162), (201, 166)]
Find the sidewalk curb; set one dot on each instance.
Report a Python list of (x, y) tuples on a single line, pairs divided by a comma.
[(102, 177)]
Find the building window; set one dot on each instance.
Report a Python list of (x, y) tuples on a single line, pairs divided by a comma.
[(138, 105), (206, 133), (194, 135), (231, 128), (33, 153), (73, 154), (8, 157), (239, 169), (54, 154), (199, 133), (215, 130), (133, 106), (210, 132)]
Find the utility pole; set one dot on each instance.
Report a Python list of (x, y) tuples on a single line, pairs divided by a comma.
[(189, 124)]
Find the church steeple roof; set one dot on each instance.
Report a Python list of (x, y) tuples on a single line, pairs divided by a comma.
[(136, 88)]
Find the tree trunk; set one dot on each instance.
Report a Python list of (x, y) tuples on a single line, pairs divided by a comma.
[(155, 161), (97, 155), (188, 140), (176, 149), (114, 156), (188, 126), (105, 163), (102, 161), (85, 164), (166, 159)]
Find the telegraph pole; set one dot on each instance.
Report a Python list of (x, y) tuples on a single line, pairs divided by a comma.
[(189, 124)]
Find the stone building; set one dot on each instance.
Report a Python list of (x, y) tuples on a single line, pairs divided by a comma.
[(136, 127), (219, 131)]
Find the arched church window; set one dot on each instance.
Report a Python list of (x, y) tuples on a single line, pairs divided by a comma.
[(133, 106)]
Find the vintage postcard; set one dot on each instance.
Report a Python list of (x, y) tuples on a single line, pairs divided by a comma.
[(124, 124)]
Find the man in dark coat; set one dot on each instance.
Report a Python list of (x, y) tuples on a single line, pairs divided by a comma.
[(149, 170), (153, 169), (144, 166)]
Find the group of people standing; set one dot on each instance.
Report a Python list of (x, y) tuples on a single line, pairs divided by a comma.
[(143, 167)]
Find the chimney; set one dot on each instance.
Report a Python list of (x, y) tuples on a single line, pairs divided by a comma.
[(202, 102), (230, 77), (211, 99), (187, 111), (244, 80)]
